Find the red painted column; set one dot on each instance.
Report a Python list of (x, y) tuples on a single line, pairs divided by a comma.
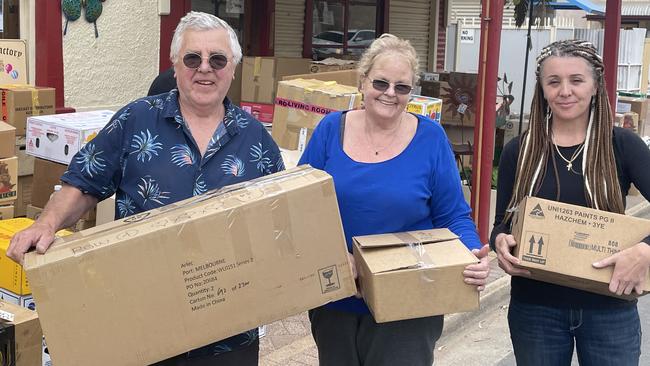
[(610, 53), (168, 24), (49, 49), (491, 22)]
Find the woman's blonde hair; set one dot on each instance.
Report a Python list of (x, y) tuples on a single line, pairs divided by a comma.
[(384, 45), (602, 188)]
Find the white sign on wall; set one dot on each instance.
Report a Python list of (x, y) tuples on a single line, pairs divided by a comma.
[(467, 36)]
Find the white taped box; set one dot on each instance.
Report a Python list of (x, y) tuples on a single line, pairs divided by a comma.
[(59, 137)]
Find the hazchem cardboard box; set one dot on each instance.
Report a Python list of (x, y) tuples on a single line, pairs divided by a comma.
[(344, 77), (21, 338), (8, 180), (559, 242), (13, 61), (332, 64), (237, 258), (59, 137), (22, 101), (7, 140), (12, 276), (6, 212), (260, 76), (47, 174), (302, 103), (426, 106), (414, 274)]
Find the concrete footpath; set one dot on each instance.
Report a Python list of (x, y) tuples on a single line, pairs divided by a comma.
[(476, 338)]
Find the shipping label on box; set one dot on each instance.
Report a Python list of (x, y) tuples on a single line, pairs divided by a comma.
[(8, 180), (7, 140), (22, 101), (21, 339), (414, 274), (59, 137), (301, 104), (425, 106), (211, 259), (559, 242)]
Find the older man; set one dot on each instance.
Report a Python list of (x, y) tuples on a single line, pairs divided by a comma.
[(162, 149)]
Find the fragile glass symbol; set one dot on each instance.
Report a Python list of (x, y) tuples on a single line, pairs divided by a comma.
[(328, 274)]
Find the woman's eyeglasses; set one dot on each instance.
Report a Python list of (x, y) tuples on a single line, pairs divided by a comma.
[(383, 85), (193, 60)]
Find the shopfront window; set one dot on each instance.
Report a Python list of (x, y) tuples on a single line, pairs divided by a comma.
[(9, 19), (343, 28), (232, 11)]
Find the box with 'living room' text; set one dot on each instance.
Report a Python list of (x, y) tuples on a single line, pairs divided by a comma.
[(203, 269), (58, 137), (414, 274), (558, 242)]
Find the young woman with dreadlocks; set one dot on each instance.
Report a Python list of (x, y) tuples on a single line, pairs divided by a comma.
[(572, 153)]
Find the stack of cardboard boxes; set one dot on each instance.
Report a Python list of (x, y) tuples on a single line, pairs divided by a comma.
[(8, 171)]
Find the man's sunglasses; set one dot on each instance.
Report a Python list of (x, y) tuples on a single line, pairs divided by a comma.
[(383, 85), (193, 60)]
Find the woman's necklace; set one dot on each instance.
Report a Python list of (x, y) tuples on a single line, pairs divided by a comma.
[(372, 146), (575, 155)]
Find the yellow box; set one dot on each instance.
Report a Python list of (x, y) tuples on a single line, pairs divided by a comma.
[(12, 275), (426, 106)]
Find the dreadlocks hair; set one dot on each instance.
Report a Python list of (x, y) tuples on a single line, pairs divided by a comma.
[(602, 189)]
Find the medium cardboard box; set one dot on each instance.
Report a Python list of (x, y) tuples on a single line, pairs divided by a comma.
[(47, 174), (105, 211), (59, 137), (6, 212), (24, 197), (302, 103), (234, 92), (262, 112), (21, 339), (637, 105), (559, 242), (237, 258), (12, 276), (260, 76), (426, 106), (8, 180), (458, 96), (22, 101), (414, 274), (332, 64), (345, 77), (25, 162), (7, 140)]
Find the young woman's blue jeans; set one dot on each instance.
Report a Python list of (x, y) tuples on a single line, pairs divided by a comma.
[(544, 335)]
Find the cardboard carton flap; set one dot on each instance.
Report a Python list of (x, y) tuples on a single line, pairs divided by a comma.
[(404, 238), (433, 255)]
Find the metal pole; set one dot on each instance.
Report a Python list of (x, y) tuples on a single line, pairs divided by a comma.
[(488, 68), (529, 45)]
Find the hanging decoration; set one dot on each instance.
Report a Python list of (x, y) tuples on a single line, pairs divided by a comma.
[(72, 11)]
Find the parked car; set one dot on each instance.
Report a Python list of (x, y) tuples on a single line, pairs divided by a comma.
[(356, 37)]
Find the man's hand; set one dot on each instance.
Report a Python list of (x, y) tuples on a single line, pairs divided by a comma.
[(504, 244), (38, 235), (477, 274), (630, 269)]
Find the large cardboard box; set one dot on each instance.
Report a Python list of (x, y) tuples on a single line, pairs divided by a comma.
[(260, 76), (559, 242), (7, 140), (637, 105), (47, 174), (345, 77), (13, 61), (59, 137), (414, 274), (12, 276), (332, 64), (22, 101), (21, 337), (234, 258), (302, 103), (24, 198), (8, 180)]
